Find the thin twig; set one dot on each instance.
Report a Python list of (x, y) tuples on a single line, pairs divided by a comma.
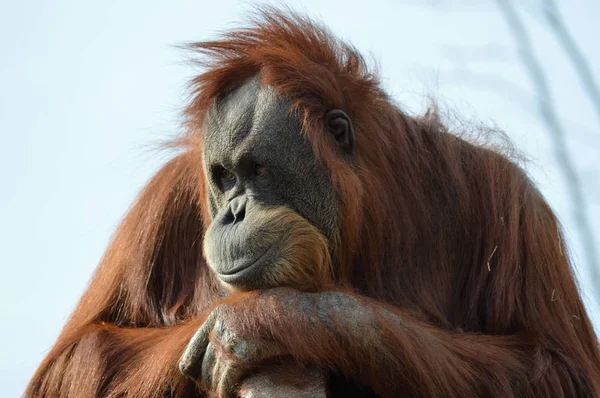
[(548, 112), (584, 72), (490, 257), (560, 242)]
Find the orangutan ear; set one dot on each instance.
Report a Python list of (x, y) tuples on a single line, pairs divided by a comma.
[(340, 127)]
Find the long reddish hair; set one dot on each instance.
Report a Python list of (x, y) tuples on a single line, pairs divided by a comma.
[(454, 231), (429, 219)]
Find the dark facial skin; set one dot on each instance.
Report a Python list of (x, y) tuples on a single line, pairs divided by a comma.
[(256, 159)]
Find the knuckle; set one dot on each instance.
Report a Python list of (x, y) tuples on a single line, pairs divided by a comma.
[(246, 351), (219, 329), (229, 340)]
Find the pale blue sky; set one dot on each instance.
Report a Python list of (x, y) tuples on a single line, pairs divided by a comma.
[(88, 88)]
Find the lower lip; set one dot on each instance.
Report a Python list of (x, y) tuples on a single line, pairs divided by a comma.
[(241, 273)]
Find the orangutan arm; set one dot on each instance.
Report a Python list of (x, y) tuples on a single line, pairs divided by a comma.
[(377, 346), (128, 331), (109, 361)]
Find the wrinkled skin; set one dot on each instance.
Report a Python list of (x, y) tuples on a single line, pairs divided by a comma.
[(263, 180), (236, 340), (221, 352)]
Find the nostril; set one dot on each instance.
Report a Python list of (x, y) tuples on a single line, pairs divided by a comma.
[(228, 218), (236, 211), (239, 216)]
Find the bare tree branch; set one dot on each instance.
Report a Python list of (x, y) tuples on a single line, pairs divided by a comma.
[(494, 83), (548, 111), (575, 55), (487, 53)]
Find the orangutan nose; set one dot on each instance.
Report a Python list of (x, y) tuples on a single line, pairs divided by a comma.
[(236, 211)]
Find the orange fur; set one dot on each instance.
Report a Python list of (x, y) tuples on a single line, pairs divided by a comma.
[(450, 236)]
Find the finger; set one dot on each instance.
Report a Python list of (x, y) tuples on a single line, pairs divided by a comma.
[(256, 351), (230, 378), (191, 361), (208, 367)]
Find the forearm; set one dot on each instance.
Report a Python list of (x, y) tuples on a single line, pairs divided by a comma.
[(105, 360), (393, 353), (430, 361)]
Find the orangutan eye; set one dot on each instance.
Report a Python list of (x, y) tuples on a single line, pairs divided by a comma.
[(259, 170), (224, 178)]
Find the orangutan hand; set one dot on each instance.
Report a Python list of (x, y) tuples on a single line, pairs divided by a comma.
[(243, 333), (222, 352)]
